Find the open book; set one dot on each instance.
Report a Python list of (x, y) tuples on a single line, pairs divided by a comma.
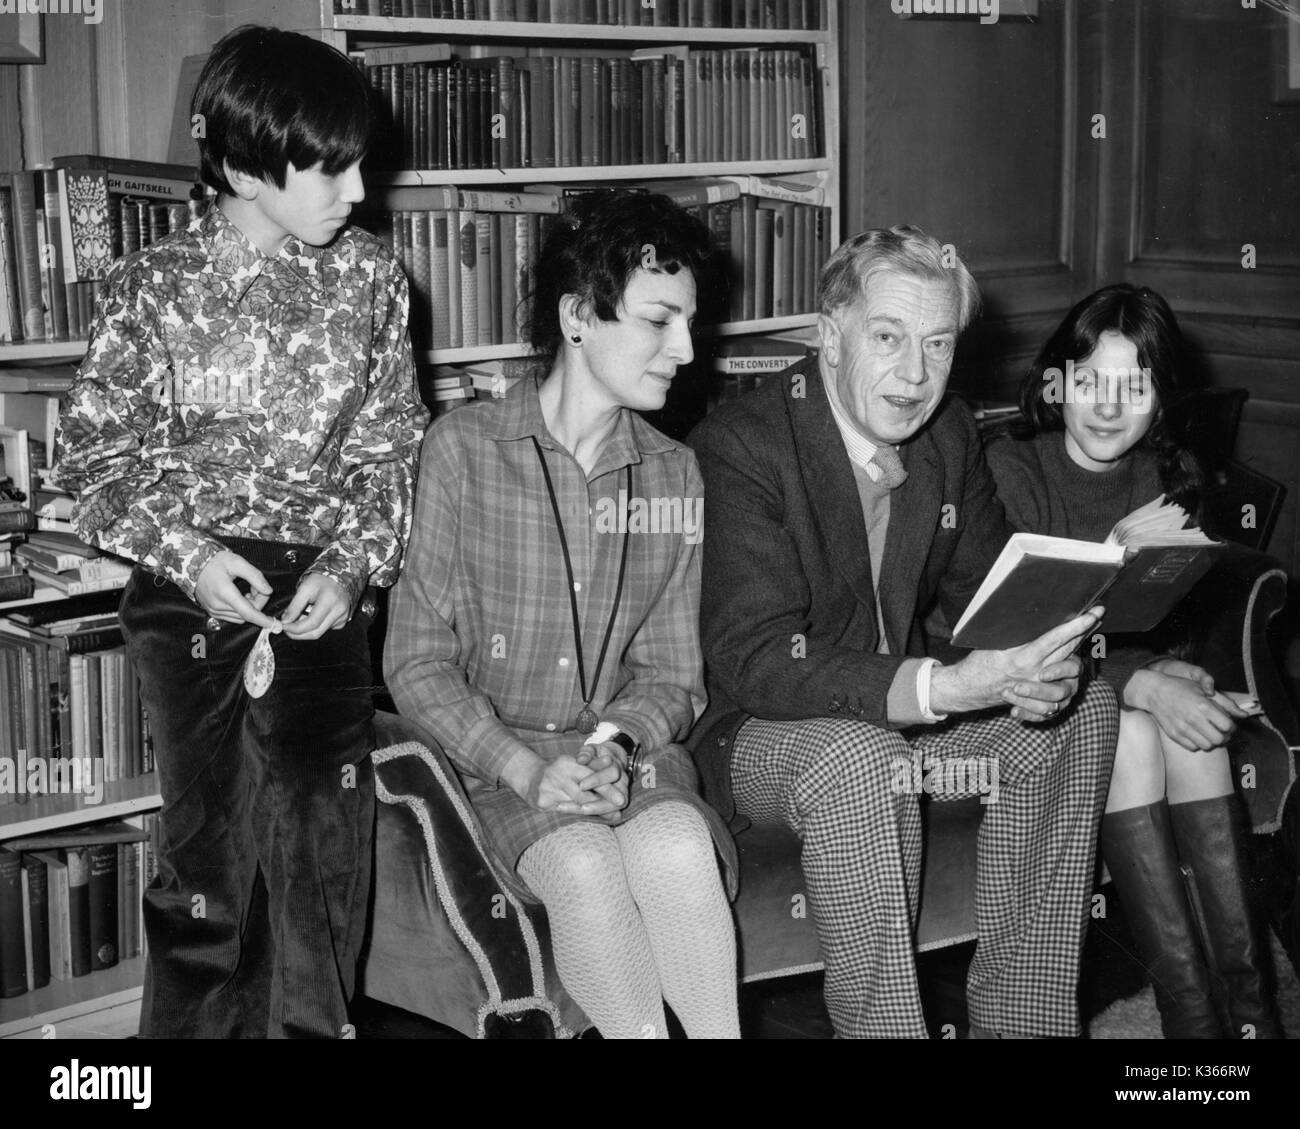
[(1146, 565)]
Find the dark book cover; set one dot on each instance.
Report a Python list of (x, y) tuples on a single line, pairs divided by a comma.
[(94, 705), (28, 239), (13, 957), (1040, 593), (63, 741), (1151, 583), (9, 259), (19, 587), (91, 603), (102, 893), (78, 861), (37, 908)]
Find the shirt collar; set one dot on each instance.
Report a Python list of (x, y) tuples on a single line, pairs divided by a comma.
[(240, 262), (519, 416), (861, 450)]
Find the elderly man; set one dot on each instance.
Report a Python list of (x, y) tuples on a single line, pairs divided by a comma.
[(845, 498)]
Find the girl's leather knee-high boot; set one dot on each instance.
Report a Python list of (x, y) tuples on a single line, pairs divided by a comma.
[(1211, 845), (1138, 846)]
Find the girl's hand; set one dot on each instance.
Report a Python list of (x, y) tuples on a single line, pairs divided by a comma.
[(568, 786), (318, 605), (600, 759), (218, 594), (1184, 705)]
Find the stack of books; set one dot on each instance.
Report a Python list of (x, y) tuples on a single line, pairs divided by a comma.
[(444, 387), (62, 561)]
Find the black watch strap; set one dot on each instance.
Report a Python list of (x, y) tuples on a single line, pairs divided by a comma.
[(625, 742), (632, 749)]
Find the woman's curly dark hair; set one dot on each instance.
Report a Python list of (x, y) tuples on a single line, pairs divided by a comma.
[(1144, 317), (593, 249)]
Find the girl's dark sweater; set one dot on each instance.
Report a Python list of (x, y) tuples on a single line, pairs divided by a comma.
[(1045, 491)]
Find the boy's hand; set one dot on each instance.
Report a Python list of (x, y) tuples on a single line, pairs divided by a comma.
[(219, 595), (318, 605)]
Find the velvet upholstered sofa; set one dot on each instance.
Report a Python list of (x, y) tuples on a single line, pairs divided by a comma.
[(446, 941)]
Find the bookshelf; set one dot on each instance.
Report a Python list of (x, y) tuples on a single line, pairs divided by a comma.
[(103, 1004), (473, 39)]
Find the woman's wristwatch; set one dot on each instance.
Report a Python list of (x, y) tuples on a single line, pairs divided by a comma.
[(608, 731)]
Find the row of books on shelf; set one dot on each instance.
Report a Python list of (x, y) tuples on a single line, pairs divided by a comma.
[(796, 15), (73, 717), (736, 365), (658, 105), (470, 269), (61, 228), (70, 902)]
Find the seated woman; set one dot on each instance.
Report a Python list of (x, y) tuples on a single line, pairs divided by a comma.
[(1096, 443), (545, 632)]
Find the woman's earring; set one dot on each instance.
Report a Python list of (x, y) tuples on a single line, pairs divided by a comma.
[(576, 338)]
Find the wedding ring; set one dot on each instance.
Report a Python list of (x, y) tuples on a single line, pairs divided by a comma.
[(213, 624)]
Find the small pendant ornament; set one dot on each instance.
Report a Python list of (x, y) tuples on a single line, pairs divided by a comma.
[(587, 720), (259, 668)]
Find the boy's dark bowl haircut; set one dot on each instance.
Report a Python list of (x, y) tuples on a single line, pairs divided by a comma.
[(269, 97)]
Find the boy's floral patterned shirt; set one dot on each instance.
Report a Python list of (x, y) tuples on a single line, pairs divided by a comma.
[(226, 393)]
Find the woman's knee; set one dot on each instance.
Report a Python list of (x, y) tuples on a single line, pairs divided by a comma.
[(576, 859), (1139, 774), (670, 837)]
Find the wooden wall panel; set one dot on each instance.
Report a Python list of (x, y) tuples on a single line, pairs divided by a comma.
[(111, 87), (971, 132)]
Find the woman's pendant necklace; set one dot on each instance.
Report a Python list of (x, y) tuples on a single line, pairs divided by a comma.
[(587, 718)]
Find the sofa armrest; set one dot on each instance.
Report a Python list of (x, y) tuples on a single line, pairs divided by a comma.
[(447, 939), (1223, 626)]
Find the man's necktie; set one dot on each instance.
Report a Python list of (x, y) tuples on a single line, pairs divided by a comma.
[(890, 465)]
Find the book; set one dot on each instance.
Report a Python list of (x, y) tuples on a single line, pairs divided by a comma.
[(102, 893), (20, 587), (60, 941), (13, 958), (11, 309), (36, 921), (757, 354), (28, 254), (72, 584), (1146, 565), (78, 861)]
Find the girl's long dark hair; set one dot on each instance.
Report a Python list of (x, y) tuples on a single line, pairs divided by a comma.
[(1145, 318)]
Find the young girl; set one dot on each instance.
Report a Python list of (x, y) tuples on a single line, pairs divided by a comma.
[(1096, 443), (545, 628)]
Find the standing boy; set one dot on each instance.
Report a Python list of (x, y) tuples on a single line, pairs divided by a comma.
[(245, 427)]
